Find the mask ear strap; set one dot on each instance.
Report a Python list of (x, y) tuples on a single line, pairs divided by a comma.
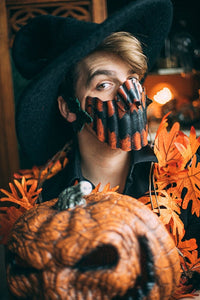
[(82, 117)]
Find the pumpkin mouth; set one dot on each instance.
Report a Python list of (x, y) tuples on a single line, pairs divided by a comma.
[(107, 257), (104, 257), (147, 278)]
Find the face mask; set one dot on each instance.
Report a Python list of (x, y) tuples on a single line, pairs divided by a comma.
[(122, 122)]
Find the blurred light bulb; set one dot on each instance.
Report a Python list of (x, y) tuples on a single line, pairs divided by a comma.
[(163, 96)]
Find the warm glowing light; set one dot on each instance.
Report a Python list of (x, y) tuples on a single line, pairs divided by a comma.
[(163, 96)]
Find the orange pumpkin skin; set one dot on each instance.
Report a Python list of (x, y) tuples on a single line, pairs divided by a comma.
[(113, 247)]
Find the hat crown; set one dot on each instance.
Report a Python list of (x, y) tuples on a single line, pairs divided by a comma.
[(46, 38)]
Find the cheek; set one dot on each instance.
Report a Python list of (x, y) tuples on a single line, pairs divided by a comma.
[(81, 94), (106, 95)]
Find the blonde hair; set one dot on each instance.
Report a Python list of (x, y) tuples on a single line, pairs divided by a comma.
[(121, 43), (128, 48)]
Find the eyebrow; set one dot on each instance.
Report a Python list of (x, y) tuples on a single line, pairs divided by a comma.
[(102, 72)]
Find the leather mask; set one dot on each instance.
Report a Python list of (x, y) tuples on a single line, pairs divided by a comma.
[(122, 122)]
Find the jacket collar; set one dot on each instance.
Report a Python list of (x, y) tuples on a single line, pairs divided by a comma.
[(146, 154)]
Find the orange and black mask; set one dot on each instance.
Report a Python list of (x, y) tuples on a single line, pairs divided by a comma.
[(122, 122)]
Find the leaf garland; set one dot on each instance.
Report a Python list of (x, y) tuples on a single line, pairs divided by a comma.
[(22, 197), (177, 178), (24, 192), (44, 172), (177, 168)]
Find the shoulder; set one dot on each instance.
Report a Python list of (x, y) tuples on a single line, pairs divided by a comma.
[(52, 187)]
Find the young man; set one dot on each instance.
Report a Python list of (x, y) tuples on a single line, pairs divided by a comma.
[(101, 99), (106, 141), (86, 87)]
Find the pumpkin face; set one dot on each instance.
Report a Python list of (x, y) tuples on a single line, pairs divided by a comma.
[(113, 247)]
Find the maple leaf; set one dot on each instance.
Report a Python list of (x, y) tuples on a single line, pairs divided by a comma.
[(187, 246), (164, 148), (163, 124), (187, 146), (177, 168), (189, 267), (193, 261), (165, 178), (190, 181), (174, 149), (168, 209), (194, 142), (47, 171)]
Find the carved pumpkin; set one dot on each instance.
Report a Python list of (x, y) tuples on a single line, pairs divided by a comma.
[(112, 247)]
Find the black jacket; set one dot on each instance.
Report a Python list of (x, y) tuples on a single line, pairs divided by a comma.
[(137, 182)]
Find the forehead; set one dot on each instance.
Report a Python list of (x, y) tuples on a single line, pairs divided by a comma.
[(100, 57), (102, 60)]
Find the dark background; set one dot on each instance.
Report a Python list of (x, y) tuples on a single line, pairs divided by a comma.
[(186, 15), (184, 34)]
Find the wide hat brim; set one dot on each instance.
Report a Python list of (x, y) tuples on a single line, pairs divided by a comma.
[(40, 129)]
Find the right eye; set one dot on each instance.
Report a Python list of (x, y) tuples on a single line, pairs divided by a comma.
[(103, 86)]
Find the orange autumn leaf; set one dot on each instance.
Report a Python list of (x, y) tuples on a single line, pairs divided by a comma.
[(168, 209), (164, 148), (193, 261), (183, 291), (187, 146), (185, 247), (174, 149), (190, 180), (106, 188), (23, 194), (47, 171), (190, 263), (195, 142), (97, 187), (163, 124), (177, 168), (28, 173), (168, 181)]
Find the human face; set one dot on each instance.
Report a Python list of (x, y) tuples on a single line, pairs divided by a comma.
[(100, 75), (109, 91)]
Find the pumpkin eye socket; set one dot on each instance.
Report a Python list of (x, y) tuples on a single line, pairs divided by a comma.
[(102, 257)]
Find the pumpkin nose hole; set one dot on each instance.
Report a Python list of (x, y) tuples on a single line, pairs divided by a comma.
[(102, 257)]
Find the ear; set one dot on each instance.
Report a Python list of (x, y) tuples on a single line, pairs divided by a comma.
[(64, 110)]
